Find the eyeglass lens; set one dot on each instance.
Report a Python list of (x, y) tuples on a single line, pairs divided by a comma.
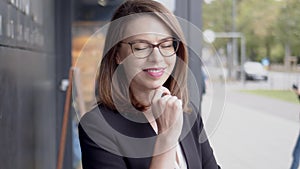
[(144, 49)]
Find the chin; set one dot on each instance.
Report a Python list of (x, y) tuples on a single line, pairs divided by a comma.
[(153, 84), (148, 83)]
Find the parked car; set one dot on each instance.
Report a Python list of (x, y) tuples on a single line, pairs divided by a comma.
[(255, 71)]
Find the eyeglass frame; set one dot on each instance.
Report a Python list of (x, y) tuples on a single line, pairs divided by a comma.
[(153, 46)]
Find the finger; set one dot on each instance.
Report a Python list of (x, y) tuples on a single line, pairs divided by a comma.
[(170, 110), (159, 106), (158, 93), (172, 113), (162, 95), (162, 101), (179, 103), (164, 90), (171, 102), (178, 106)]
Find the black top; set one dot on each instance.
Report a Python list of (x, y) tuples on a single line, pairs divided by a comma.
[(109, 140)]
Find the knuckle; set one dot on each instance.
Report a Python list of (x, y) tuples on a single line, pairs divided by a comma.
[(160, 102), (176, 107), (169, 104)]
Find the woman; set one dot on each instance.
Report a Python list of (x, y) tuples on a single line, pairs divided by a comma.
[(296, 151), (144, 119)]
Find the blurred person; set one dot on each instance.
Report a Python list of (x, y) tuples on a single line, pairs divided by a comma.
[(76, 145), (265, 62), (296, 90), (143, 118), (296, 151)]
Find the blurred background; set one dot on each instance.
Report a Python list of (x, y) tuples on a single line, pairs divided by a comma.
[(248, 47)]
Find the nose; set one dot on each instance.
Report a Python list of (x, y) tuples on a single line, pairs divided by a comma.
[(155, 56)]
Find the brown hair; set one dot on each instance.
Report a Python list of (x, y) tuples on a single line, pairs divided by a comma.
[(110, 93)]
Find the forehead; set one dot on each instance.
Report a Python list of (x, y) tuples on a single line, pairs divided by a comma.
[(146, 27)]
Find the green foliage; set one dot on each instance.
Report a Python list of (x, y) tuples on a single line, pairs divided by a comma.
[(277, 53), (217, 17), (289, 25), (267, 25), (285, 95)]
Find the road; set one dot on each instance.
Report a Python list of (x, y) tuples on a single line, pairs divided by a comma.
[(254, 132)]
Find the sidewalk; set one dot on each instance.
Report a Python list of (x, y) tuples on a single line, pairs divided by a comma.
[(251, 136)]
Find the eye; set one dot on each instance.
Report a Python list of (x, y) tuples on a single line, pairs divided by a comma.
[(140, 46), (167, 44)]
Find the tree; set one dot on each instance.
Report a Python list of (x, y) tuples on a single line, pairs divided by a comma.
[(217, 17), (256, 19), (288, 29)]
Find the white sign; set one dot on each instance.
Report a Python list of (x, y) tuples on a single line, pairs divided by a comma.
[(0, 24), (208, 1), (209, 36)]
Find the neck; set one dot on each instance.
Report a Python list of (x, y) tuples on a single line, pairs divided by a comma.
[(144, 98), (151, 119), (141, 96)]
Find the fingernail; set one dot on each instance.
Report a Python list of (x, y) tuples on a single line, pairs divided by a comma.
[(162, 95)]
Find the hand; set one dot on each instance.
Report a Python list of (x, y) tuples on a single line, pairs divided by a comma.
[(167, 110)]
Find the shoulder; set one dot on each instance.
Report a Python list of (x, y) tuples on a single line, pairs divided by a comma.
[(95, 131), (96, 109), (97, 114), (101, 120), (192, 122), (96, 119)]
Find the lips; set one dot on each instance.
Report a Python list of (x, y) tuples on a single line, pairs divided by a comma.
[(155, 72)]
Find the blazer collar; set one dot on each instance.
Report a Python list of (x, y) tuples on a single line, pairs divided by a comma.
[(189, 142)]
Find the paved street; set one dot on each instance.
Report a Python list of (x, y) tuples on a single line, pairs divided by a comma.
[(254, 132)]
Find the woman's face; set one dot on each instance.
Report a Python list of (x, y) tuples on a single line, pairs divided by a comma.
[(146, 72)]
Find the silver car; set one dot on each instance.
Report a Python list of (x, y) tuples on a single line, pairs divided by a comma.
[(255, 71)]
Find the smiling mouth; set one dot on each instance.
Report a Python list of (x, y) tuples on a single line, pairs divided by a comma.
[(155, 72)]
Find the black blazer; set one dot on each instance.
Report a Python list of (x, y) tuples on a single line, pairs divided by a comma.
[(109, 140)]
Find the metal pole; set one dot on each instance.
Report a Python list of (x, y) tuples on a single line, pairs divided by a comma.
[(243, 57), (234, 40), (235, 35), (233, 15)]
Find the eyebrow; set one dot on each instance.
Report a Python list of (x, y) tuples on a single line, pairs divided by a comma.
[(143, 40)]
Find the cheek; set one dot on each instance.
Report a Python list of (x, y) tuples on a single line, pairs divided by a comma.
[(171, 62), (131, 66), (123, 54)]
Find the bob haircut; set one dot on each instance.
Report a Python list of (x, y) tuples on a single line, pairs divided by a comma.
[(112, 90)]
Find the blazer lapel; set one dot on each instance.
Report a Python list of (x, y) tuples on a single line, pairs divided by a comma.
[(190, 153), (188, 143)]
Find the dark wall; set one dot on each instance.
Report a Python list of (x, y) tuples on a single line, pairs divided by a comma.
[(92, 11), (29, 112), (63, 26), (191, 11)]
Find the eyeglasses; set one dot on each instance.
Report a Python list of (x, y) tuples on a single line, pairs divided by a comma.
[(142, 48)]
